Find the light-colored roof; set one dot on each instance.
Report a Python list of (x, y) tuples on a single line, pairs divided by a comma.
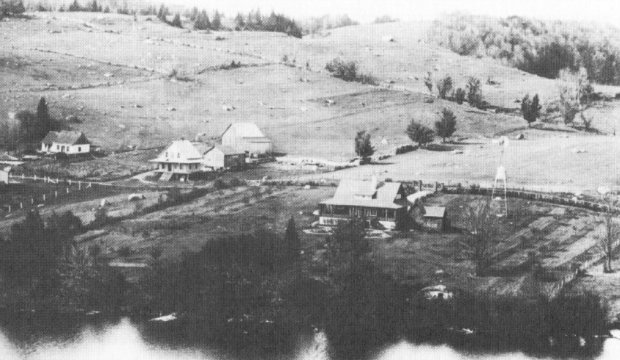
[(65, 137), (246, 131), (6, 169), (226, 150), (351, 193), (434, 211), (180, 151), (50, 137), (7, 157)]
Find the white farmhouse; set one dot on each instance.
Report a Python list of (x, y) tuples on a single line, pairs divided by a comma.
[(68, 142)]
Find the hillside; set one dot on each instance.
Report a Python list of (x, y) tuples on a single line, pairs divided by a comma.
[(115, 75)]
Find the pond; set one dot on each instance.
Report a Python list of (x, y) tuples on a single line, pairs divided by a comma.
[(42, 338)]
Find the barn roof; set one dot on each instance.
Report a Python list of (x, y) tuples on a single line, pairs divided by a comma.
[(248, 131), (434, 211), (226, 150), (352, 193)]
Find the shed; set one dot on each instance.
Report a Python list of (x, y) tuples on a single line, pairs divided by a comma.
[(224, 157), (435, 218), (246, 137)]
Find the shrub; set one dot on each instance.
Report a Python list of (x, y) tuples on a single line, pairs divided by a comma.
[(474, 93), (234, 182), (419, 133), (444, 86), (124, 251), (219, 184), (343, 70), (459, 96)]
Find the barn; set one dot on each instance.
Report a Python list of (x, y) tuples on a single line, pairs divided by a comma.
[(68, 142), (224, 157), (246, 137)]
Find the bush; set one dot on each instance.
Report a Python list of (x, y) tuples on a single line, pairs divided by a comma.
[(124, 251), (444, 86), (459, 96), (234, 182), (343, 70), (474, 93), (219, 184)]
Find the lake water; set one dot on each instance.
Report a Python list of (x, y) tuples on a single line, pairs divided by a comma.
[(123, 339)]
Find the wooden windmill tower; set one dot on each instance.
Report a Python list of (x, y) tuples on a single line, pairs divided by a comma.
[(499, 185)]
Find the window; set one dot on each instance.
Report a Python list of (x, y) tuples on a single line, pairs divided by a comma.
[(57, 147), (166, 154), (79, 149), (341, 210), (372, 212), (390, 214), (178, 155)]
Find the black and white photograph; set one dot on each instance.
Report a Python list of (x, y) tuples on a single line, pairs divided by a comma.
[(309, 180)]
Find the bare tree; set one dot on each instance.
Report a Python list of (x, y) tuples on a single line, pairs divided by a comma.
[(481, 224), (607, 243)]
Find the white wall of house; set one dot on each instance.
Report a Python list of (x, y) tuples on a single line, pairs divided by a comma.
[(4, 177), (69, 149), (179, 168), (214, 158), (256, 147)]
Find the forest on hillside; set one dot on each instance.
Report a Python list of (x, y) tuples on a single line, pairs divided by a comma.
[(534, 46)]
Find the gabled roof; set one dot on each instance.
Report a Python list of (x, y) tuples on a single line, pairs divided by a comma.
[(226, 150), (65, 137), (362, 193), (50, 137), (180, 151), (434, 211), (247, 131), (7, 157)]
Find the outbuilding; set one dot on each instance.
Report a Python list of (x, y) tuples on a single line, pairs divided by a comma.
[(224, 157), (435, 218)]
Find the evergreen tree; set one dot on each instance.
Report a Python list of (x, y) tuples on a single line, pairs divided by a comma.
[(608, 71), (75, 6), (202, 21), (93, 6), (419, 133), (363, 146), (216, 24), (291, 239), (194, 14), (447, 125), (239, 22), (176, 22), (258, 20), (530, 109)]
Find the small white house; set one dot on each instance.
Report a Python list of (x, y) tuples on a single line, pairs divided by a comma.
[(68, 142), (246, 137)]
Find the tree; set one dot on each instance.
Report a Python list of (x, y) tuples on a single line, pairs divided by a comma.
[(459, 96), (444, 86), (346, 71), (608, 71), (530, 109), (11, 8), (474, 93), (482, 227), (194, 14), (93, 7), (202, 21), (216, 24), (346, 250), (239, 22), (176, 21), (575, 93), (28, 127), (419, 133), (608, 243), (75, 6), (45, 122), (363, 146), (291, 239), (428, 81), (447, 125)]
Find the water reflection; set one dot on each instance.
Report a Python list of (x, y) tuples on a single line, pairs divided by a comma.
[(127, 341)]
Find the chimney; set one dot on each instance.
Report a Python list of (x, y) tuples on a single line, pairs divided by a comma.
[(373, 183)]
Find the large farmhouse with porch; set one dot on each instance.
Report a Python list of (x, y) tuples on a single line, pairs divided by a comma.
[(246, 137), (383, 202), (180, 159), (68, 142)]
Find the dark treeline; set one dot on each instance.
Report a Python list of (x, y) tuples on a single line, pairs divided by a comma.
[(538, 47), (27, 128), (257, 289), (40, 261)]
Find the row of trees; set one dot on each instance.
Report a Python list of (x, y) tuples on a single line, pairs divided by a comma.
[(417, 132), (445, 90), (543, 48), (27, 128), (11, 8)]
